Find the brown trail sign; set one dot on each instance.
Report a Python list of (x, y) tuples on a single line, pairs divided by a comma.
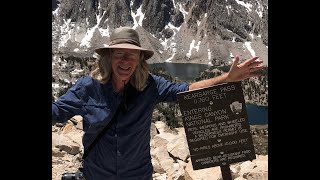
[(216, 125)]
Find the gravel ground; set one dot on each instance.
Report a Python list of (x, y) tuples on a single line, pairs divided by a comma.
[(260, 138)]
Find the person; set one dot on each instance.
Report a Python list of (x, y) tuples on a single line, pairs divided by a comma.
[(122, 81)]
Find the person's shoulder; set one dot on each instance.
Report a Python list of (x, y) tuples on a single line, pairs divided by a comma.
[(87, 80), (154, 76), (157, 79)]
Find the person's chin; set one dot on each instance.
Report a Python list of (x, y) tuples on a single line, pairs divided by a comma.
[(124, 76)]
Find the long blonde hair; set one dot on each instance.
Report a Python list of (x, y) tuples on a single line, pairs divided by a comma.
[(103, 71)]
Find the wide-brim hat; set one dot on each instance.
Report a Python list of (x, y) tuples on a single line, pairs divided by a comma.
[(126, 38)]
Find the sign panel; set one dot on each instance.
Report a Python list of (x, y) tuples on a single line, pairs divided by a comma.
[(216, 125)]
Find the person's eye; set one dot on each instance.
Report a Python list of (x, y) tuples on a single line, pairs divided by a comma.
[(132, 56)]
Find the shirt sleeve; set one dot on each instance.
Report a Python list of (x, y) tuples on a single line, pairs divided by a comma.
[(70, 103), (168, 90)]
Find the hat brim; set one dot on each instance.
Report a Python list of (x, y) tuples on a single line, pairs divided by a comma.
[(104, 50)]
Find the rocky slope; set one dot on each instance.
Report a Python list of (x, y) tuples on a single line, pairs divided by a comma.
[(207, 32), (169, 152)]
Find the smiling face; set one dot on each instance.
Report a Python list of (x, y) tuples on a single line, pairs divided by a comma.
[(124, 62)]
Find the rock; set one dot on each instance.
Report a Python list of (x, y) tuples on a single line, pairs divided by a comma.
[(169, 152)]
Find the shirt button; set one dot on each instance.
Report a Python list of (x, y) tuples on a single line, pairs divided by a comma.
[(115, 135), (118, 153)]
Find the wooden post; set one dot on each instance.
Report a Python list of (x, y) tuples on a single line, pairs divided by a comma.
[(226, 172)]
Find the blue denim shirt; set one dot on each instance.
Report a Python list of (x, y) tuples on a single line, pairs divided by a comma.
[(123, 152)]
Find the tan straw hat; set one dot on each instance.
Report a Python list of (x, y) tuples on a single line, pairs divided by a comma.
[(127, 38)]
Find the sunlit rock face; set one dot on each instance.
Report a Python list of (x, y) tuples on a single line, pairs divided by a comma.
[(169, 151)]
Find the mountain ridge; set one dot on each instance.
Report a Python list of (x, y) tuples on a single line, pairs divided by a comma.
[(207, 32)]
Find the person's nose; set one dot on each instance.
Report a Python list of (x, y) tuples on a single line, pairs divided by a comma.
[(124, 57)]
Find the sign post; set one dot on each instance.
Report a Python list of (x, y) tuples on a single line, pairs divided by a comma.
[(226, 172), (216, 125)]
